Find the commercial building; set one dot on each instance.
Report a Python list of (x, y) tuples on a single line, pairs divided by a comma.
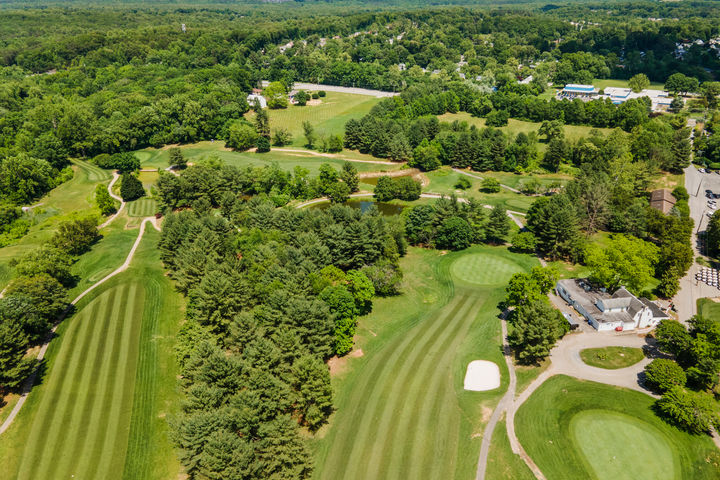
[(620, 311)]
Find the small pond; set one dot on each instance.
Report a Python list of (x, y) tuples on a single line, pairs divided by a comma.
[(365, 205)]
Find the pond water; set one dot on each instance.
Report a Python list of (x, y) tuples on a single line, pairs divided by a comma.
[(365, 205)]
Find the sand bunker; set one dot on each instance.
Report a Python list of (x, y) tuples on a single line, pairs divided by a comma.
[(482, 375)]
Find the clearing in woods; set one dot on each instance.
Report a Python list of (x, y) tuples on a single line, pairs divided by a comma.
[(109, 380), (401, 408)]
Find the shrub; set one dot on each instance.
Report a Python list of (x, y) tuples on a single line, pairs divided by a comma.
[(524, 242), (490, 185), (104, 201), (696, 412), (75, 236), (497, 118), (321, 93), (263, 144), (315, 96), (663, 374), (463, 183), (282, 137), (124, 162)]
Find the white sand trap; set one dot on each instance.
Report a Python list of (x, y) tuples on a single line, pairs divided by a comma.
[(482, 375)]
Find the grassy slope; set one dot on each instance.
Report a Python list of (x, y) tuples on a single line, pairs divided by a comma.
[(328, 118), (109, 378), (402, 411), (611, 358), (709, 309), (443, 181), (543, 425), (75, 195)]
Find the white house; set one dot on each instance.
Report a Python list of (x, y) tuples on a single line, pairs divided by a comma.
[(620, 311), (252, 97)]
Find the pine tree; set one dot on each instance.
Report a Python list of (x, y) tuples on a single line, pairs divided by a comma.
[(498, 225), (349, 175), (131, 188)]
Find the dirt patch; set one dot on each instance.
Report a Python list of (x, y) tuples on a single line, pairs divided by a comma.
[(168, 147), (313, 103), (338, 365), (486, 413)]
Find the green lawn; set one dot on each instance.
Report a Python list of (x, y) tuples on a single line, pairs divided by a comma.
[(110, 380), (443, 181), (328, 118), (75, 195), (158, 158), (601, 83), (142, 207), (572, 132), (401, 408), (579, 429), (611, 358), (502, 463), (708, 309)]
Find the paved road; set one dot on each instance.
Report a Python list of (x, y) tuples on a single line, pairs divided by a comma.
[(27, 387), (470, 174), (335, 88), (690, 289)]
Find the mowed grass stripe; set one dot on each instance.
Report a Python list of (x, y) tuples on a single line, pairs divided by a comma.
[(410, 375), (339, 454), (39, 426), (371, 399), (143, 207), (137, 460), (48, 425), (65, 459), (102, 462), (383, 382), (422, 391), (431, 438), (93, 387), (93, 172)]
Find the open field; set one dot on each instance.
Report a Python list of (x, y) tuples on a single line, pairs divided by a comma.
[(601, 83), (74, 195), (109, 381), (611, 358), (328, 118), (401, 408), (578, 429), (158, 158), (572, 132)]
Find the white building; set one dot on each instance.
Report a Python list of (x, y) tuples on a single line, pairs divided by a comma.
[(252, 97), (660, 100), (620, 311)]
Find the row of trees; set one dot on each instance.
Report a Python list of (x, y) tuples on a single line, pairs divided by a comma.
[(37, 296), (272, 293), (213, 183), (689, 380), (455, 225)]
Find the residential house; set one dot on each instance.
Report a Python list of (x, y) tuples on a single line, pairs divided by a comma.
[(662, 200)]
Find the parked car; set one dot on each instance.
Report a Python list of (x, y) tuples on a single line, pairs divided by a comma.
[(701, 170)]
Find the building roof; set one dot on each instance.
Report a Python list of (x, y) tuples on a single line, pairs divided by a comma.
[(621, 306), (574, 87), (662, 200)]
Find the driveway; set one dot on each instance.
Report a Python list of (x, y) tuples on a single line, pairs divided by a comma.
[(335, 88), (690, 289)]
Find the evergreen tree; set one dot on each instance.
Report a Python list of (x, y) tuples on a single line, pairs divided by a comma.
[(131, 188), (176, 158), (534, 330), (349, 176), (104, 201), (498, 225), (309, 133)]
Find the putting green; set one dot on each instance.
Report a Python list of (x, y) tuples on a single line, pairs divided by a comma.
[(484, 269), (619, 447)]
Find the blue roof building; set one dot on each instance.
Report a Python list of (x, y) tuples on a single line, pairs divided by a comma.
[(576, 90)]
